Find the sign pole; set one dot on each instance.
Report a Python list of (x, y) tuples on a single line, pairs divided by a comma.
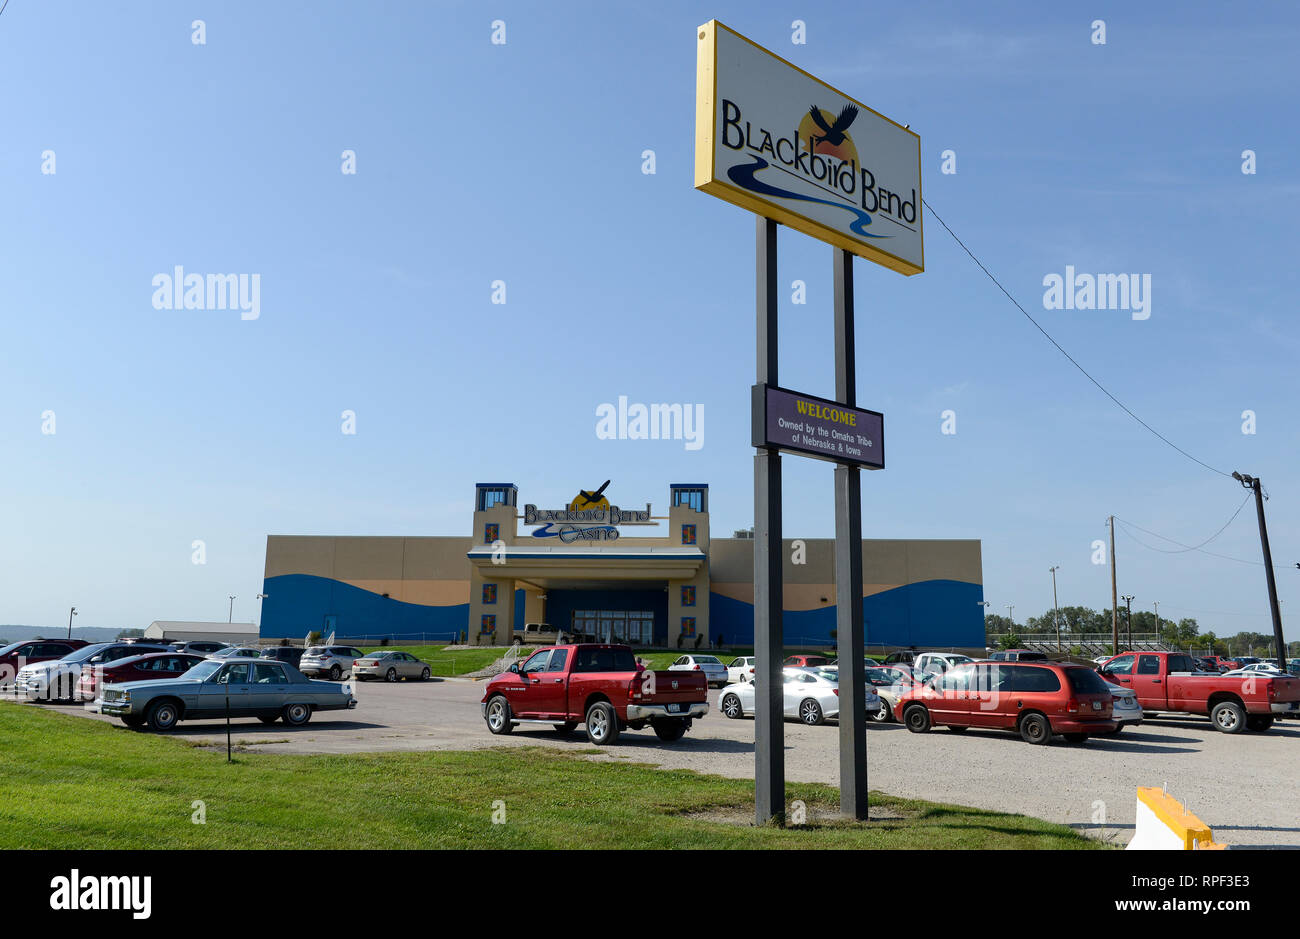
[(850, 635), (769, 727)]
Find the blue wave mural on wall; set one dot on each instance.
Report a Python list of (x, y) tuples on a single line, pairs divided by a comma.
[(928, 613), (297, 604), (940, 613)]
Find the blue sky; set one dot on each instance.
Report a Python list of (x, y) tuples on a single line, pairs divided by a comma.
[(522, 162)]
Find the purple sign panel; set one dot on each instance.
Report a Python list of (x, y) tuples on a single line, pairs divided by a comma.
[(810, 426)]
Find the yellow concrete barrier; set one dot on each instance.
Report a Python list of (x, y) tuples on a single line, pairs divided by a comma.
[(1163, 825)]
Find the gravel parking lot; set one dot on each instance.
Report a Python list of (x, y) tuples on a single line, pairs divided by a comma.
[(1245, 787)]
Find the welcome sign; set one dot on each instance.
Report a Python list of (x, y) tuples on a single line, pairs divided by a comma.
[(810, 426), (773, 139)]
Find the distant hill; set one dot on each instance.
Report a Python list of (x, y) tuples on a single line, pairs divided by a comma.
[(15, 633)]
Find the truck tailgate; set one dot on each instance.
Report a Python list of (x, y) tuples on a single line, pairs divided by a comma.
[(673, 687)]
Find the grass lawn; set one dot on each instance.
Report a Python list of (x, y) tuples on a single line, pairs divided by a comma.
[(66, 782)]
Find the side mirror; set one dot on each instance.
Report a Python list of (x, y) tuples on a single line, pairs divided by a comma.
[(514, 667)]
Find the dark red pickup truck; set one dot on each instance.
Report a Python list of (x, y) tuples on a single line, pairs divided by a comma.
[(1166, 681), (601, 686)]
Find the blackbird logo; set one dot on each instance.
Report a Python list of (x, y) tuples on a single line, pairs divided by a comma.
[(832, 134)]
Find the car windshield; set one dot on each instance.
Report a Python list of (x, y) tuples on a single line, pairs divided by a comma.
[(827, 675), (314, 650), (13, 645), (203, 671), (87, 652), (707, 660)]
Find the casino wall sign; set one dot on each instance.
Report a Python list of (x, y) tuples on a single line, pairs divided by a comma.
[(589, 517)]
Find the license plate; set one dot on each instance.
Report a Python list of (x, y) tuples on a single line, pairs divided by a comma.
[(674, 708), (1096, 705)]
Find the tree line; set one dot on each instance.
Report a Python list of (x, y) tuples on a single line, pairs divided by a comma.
[(1185, 634)]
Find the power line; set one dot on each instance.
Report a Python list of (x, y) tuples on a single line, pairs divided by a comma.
[(1182, 547), (1117, 401)]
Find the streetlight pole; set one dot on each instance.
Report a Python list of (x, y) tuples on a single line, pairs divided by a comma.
[(1252, 482), (1128, 617), (1011, 627), (231, 617), (1157, 604), (985, 611), (1056, 609), (71, 613)]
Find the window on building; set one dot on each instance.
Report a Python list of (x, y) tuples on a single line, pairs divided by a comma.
[(695, 498), (688, 534), (490, 496)]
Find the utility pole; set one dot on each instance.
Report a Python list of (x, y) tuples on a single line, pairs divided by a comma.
[(1252, 482), (1011, 619), (1128, 617), (1114, 599), (1056, 609), (1157, 603), (231, 617)]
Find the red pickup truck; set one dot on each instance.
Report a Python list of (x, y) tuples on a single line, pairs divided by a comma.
[(601, 686), (1165, 681)]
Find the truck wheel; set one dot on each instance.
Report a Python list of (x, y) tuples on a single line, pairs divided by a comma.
[(917, 719), (1034, 728), (731, 707), (1259, 722), (882, 715), (295, 715), (163, 716), (669, 729), (602, 723), (1228, 717), (498, 715), (810, 712)]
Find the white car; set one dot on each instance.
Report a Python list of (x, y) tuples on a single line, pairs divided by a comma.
[(809, 696), (243, 652), (939, 662), (710, 665), (741, 668), (1125, 708), (329, 661), (1254, 668)]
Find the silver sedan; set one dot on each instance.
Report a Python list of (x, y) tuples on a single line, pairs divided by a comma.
[(808, 696), (390, 665)]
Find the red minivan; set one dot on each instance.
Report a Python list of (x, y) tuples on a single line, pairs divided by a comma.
[(1035, 699)]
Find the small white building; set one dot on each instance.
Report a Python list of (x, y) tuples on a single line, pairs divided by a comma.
[(184, 631)]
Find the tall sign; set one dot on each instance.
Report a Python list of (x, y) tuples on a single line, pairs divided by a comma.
[(788, 147), (773, 139)]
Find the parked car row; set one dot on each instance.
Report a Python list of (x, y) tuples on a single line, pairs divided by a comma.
[(71, 670)]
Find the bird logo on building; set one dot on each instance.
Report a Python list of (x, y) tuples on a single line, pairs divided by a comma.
[(589, 500)]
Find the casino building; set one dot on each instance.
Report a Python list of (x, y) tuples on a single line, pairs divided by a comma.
[(581, 567)]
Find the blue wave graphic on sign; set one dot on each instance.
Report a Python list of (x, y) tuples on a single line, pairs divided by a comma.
[(744, 177)]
